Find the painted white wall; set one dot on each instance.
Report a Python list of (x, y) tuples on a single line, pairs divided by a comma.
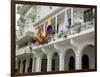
[(44, 11)]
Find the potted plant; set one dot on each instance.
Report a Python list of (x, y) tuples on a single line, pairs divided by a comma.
[(60, 34), (88, 15)]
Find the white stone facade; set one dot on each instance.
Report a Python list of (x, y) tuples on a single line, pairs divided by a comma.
[(65, 53)]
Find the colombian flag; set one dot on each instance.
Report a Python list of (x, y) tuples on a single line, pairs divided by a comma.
[(49, 26)]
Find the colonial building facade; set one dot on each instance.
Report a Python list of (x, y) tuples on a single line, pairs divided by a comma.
[(71, 47)]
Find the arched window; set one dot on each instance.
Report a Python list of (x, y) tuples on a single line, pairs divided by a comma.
[(71, 63), (55, 62), (88, 57), (85, 62), (18, 70), (69, 60), (44, 64), (24, 64), (30, 65)]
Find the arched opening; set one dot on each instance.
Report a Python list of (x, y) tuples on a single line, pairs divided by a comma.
[(55, 62), (18, 70), (30, 65), (69, 62), (44, 64), (85, 62), (88, 57), (24, 64)]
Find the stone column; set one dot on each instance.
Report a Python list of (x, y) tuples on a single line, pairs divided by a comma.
[(78, 63), (49, 62), (34, 64), (38, 64), (61, 61), (16, 63), (21, 66), (27, 65)]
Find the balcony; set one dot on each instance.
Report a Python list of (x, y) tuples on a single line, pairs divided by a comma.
[(24, 50), (74, 31), (24, 38)]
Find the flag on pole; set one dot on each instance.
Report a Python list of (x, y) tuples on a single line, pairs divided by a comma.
[(49, 26)]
